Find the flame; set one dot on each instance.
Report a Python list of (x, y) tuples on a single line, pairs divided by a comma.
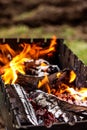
[(51, 48), (15, 65), (45, 81), (79, 94), (83, 92), (63, 87), (6, 53), (72, 76), (5, 49), (12, 62), (43, 64), (58, 74)]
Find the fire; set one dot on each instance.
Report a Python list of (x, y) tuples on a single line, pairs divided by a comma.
[(43, 64), (72, 76), (6, 52), (51, 47), (79, 94), (63, 87), (12, 62), (14, 66), (45, 81)]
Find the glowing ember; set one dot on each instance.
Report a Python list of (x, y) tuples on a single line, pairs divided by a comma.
[(12, 62), (64, 86)]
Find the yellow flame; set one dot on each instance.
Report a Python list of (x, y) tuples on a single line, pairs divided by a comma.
[(58, 74), (72, 76), (43, 64), (67, 87), (43, 82), (13, 62)]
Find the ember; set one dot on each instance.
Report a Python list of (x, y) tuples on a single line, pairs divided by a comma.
[(47, 94), (64, 87)]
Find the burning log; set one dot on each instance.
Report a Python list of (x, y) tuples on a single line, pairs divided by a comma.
[(61, 84), (32, 81), (63, 76), (29, 80), (53, 79)]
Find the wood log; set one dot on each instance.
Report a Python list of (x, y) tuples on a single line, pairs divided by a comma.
[(73, 108), (32, 81), (27, 81), (55, 105)]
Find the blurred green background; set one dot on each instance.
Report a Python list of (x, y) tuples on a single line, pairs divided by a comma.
[(44, 18)]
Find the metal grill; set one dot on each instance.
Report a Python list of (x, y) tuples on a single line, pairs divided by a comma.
[(64, 58)]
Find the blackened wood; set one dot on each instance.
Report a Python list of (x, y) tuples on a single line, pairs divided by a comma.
[(50, 102), (29, 82), (16, 106)]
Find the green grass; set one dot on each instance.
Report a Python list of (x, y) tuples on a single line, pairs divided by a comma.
[(45, 31), (78, 46)]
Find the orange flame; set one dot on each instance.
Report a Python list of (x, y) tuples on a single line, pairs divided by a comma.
[(78, 94), (45, 81), (12, 62), (5, 53), (62, 87)]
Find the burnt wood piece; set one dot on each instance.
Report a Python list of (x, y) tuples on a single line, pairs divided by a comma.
[(64, 76), (15, 106), (58, 107), (26, 104), (62, 104), (76, 109), (32, 81), (40, 67), (29, 82)]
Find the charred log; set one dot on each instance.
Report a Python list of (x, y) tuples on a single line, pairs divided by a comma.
[(29, 82), (15, 106), (62, 110), (54, 80)]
